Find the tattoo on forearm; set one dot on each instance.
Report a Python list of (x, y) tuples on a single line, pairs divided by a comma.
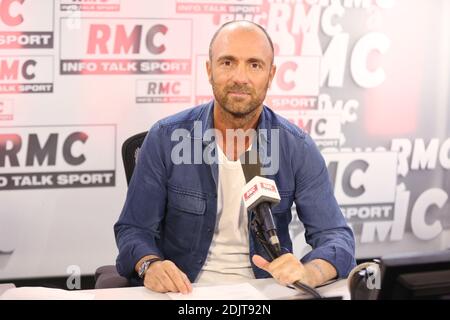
[(319, 268)]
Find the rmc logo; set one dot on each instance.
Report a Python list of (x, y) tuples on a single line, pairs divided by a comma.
[(219, 6), (297, 80), (57, 157), (90, 5), (26, 24), (6, 110), (163, 91), (26, 74), (365, 184), (126, 46), (323, 127)]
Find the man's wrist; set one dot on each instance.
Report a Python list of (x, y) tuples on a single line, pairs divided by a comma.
[(146, 265), (321, 270), (142, 260), (317, 274)]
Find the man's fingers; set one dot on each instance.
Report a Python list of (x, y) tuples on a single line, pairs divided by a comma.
[(159, 277), (161, 286), (286, 269), (154, 284), (167, 281), (187, 282), (260, 262), (287, 277), (165, 276), (177, 277)]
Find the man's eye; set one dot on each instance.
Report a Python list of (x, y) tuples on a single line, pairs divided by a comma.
[(227, 63), (256, 65)]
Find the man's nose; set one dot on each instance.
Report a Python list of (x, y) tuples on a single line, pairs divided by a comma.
[(240, 74)]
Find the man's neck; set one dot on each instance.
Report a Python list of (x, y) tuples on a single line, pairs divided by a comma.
[(224, 121)]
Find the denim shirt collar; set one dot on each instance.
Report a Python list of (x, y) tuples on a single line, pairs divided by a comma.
[(206, 119)]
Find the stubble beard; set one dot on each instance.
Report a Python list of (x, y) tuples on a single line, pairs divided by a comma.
[(236, 110)]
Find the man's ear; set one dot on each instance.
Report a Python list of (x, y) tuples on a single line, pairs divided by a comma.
[(273, 69), (208, 70)]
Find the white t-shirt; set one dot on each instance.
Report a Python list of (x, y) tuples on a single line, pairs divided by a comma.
[(228, 257)]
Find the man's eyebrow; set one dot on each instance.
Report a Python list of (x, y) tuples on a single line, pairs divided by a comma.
[(226, 57), (251, 60)]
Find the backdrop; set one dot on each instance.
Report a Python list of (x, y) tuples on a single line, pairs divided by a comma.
[(367, 79)]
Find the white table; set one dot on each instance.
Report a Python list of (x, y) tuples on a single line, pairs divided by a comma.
[(6, 286), (269, 287)]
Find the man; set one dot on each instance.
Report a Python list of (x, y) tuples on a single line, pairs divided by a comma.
[(185, 222)]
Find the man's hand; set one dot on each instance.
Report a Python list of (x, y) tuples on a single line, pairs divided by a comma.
[(287, 269), (164, 276)]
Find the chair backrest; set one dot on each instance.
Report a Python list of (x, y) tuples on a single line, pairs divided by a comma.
[(107, 276), (130, 151)]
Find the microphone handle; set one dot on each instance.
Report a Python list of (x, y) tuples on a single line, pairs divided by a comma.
[(265, 216), (274, 242)]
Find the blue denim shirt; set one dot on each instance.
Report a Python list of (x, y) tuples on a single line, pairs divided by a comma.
[(170, 210)]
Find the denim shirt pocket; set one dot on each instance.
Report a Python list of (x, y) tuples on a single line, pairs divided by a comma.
[(185, 213), (186, 203), (282, 215), (287, 199)]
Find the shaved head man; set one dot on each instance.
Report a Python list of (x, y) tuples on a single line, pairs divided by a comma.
[(186, 222)]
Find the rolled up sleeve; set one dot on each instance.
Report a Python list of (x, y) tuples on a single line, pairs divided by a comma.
[(138, 228), (326, 229)]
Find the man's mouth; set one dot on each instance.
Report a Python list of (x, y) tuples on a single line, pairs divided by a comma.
[(239, 94)]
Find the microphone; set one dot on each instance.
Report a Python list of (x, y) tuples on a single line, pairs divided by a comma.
[(259, 195)]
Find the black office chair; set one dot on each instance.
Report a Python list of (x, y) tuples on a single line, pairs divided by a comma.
[(107, 276), (130, 150)]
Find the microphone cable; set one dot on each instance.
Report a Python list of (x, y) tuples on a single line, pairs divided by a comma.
[(305, 288)]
